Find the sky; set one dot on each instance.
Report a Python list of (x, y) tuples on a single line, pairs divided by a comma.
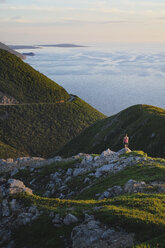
[(82, 21)]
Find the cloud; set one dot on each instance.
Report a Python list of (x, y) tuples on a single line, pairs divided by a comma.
[(16, 18)]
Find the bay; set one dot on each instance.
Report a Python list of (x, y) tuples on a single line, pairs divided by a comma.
[(110, 77)]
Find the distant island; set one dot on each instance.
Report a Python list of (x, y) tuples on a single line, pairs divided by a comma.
[(23, 47), (29, 54), (40, 46), (62, 45)]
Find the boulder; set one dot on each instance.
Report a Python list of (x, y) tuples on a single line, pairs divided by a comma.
[(70, 219), (87, 159), (104, 169), (115, 191), (69, 172), (133, 186), (14, 186), (57, 221), (86, 234), (79, 171), (124, 150), (14, 172), (107, 153), (92, 234), (5, 208)]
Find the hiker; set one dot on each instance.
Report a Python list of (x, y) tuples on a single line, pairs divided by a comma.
[(126, 141)]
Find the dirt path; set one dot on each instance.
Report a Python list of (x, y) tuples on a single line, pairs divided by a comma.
[(71, 99)]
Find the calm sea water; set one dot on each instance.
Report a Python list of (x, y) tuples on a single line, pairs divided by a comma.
[(109, 77)]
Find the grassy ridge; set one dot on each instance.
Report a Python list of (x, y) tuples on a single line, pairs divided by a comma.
[(145, 171), (39, 125), (41, 129), (142, 214), (143, 123), (25, 84)]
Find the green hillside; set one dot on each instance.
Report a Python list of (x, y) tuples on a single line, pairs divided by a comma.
[(25, 84), (44, 118), (7, 151), (41, 129), (144, 125)]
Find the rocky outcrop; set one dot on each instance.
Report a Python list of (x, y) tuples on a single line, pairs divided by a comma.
[(13, 213), (132, 186), (93, 234), (5, 99), (12, 187), (23, 162)]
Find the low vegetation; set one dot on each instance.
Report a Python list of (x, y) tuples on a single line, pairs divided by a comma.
[(41, 129), (25, 84), (45, 119), (142, 214), (144, 125)]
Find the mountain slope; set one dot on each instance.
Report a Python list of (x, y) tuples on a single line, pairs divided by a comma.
[(41, 129), (144, 125), (25, 84), (4, 47), (37, 116)]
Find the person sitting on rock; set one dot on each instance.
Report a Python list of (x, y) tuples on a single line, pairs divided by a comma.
[(126, 141)]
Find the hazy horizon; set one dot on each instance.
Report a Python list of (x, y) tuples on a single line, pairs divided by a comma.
[(82, 22)]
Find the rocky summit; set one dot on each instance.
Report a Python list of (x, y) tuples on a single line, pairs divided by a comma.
[(112, 199)]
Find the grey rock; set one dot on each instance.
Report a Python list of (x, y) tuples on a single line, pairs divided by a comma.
[(124, 150), (104, 169), (79, 171), (106, 194), (115, 191), (14, 205), (71, 194), (107, 153), (68, 179), (87, 159), (87, 180), (14, 172), (9, 160), (57, 221), (55, 175), (91, 234), (108, 233), (17, 186), (69, 172), (69, 219), (5, 208), (133, 186), (86, 234)]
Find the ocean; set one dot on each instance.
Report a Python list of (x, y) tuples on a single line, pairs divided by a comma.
[(109, 77)]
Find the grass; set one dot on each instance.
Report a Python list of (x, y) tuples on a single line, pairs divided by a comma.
[(143, 214), (42, 234), (39, 125), (41, 129), (25, 84), (144, 125), (10, 152), (146, 171)]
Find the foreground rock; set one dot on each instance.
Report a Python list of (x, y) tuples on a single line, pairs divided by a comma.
[(131, 187), (13, 187), (13, 213), (93, 234)]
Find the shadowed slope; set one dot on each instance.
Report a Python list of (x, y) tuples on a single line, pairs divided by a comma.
[(143, 123)]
